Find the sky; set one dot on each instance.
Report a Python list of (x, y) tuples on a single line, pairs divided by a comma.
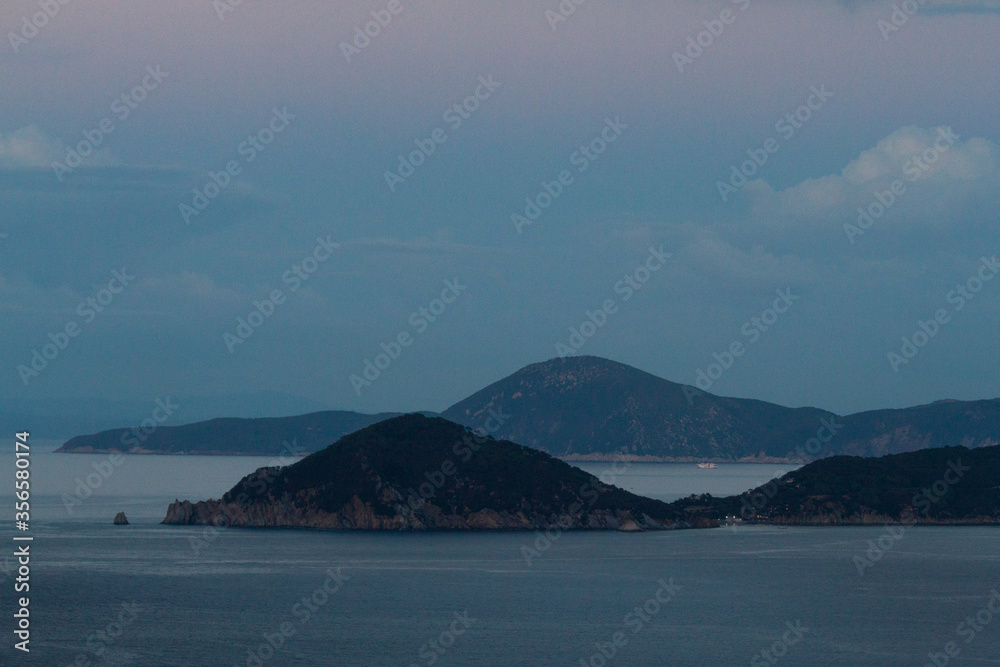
[(260, 196)]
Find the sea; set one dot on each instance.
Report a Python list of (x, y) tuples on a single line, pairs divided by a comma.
[(148, 594)]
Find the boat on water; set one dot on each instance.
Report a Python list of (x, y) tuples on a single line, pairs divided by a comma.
[(707, 466)]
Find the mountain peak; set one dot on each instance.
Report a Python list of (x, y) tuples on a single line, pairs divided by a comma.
[(586, 406), (417, 473)]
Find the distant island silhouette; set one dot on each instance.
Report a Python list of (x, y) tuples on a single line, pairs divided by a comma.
[(588, 408)]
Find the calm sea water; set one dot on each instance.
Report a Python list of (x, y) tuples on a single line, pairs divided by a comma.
[(215, 598)]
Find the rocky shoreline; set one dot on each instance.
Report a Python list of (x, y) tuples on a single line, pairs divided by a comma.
[(419, 473), (358, 515)]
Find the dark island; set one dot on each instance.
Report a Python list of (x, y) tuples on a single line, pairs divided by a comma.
[(943, 486), (426, 473)]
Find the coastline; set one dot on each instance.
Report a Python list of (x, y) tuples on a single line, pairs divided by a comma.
[(582, 458)]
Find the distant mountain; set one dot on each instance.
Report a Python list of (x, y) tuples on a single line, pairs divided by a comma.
[(940, 424), (588, 408), (425, 473), (62, 418), (264, 437), (933, 486), (592, 408)]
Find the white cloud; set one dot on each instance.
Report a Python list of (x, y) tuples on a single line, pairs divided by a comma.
[(31, 148), (709, 254), (939, 184), (28, 147)]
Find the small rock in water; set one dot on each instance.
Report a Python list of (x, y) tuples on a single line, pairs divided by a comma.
[(120, 519)]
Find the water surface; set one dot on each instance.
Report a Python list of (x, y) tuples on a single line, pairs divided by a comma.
[(207, 597)]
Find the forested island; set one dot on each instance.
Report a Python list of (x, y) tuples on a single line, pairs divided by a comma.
[(426, 473), (940, 486)]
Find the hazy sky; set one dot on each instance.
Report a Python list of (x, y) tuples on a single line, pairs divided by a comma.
[(640, 125)]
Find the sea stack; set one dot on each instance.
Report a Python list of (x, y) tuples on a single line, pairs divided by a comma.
[(120, 519)]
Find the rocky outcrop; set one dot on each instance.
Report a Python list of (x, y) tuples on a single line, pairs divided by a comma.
[(120, 519), (419, 473), (630, 526)]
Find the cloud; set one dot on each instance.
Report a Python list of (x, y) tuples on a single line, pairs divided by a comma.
[(27, 156), (943, 177), (29, 148), (710, 255)]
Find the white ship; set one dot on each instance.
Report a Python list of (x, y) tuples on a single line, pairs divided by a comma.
[(707, 466)]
